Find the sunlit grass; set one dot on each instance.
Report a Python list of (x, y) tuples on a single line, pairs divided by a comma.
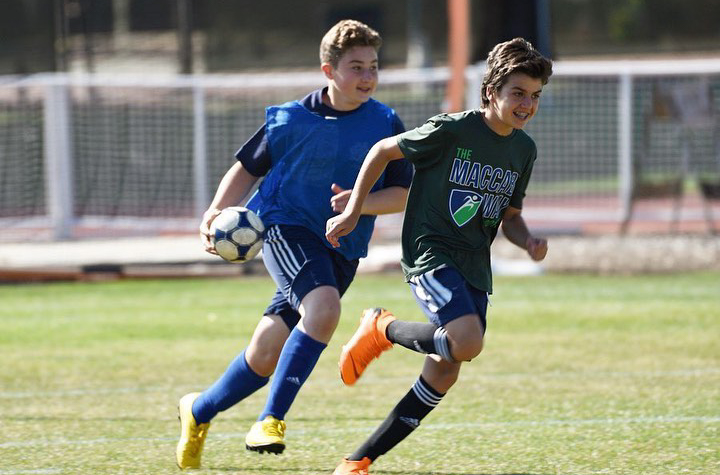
[(580, 375)]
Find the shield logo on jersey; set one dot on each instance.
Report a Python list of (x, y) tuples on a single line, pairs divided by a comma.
[(464, 205)]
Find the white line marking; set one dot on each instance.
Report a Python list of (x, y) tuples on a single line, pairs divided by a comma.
[(72, 392), (80, 392), (342, 430), (40, 471)]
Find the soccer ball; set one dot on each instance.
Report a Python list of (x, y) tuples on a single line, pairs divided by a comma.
[(237, 234)]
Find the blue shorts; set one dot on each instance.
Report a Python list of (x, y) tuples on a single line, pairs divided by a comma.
[(445, 295), (299, 262)]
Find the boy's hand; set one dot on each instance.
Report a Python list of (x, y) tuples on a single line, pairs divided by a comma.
[(340, 199), (339, 226), (205, 235), (537, 248)]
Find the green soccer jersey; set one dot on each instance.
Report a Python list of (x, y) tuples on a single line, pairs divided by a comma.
[(466, 175)]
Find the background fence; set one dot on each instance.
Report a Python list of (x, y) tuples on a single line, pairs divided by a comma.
[(98, 155)]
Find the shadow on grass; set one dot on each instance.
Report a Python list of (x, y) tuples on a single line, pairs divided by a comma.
[(296, 421), (381, 472), (464, 473), (377, 472)]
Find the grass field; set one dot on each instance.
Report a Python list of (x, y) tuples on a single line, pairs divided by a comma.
[(580, 375)]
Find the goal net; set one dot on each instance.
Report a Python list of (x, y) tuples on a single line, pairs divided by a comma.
[(95, 155)]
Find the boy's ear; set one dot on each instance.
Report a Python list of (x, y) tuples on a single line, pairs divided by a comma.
[(327, 69), (489, 92)]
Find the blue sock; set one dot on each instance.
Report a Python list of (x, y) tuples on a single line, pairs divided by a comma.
[(236, 383), (296, 362)]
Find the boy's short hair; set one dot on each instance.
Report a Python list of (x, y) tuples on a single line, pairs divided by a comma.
[(344, 35), (514, 56)]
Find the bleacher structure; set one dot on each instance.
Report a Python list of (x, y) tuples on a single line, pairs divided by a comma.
[(108, 155)]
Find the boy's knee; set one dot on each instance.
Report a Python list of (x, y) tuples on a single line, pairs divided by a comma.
[(329, 312), (320, 317), (325, 317), (262, 360), (465, 336), (323, 303), (466, 347)]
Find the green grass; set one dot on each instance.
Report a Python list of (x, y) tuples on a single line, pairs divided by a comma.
[(580, 375)]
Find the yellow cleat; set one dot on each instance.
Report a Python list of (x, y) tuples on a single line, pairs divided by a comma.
[(192, 434), (266, 436), (353, 467)]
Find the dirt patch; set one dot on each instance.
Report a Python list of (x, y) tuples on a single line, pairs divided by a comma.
[(623, 254)]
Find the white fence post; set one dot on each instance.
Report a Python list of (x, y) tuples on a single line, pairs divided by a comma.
[(625, 141), (58, 152), (473, 77), (200, 174)]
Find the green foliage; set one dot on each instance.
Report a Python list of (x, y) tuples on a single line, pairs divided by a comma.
[(639, 26), (580, 375), (626, 20)]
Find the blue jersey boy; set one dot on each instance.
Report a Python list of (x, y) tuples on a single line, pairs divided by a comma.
[(309, 153)]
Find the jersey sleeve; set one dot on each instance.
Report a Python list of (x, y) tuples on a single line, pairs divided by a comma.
[(255, 154), (516, 200), (397, 126), (424, 145), (398, 173)]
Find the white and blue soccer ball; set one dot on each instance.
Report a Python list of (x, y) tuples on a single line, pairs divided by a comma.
[(237, 233)]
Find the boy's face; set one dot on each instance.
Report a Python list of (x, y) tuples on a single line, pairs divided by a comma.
[(354, 80), (514, 104)]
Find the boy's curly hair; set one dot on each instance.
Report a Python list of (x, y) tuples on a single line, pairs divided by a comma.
[(514, 56), (344, 35)]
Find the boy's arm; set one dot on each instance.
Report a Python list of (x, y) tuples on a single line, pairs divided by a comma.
[(233, 188), (384, 201), (516, 231), (375, 162)]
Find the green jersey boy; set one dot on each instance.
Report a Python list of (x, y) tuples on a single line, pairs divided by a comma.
[(471, 172)]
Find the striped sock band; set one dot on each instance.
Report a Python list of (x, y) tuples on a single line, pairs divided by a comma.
[(442, 346), (402, 420), (425, 393)]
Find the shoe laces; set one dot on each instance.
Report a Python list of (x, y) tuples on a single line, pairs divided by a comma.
[(375, 349), (274, 427), (196, 439), (367, 354)]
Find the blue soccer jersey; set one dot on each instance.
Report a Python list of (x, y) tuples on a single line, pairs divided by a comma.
[(303, 148)]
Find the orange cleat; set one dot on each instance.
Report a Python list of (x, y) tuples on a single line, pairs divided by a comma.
[(368, 342), (353, 467)]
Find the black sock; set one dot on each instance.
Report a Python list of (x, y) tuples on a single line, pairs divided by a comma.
[(420, 337), (403, 419)]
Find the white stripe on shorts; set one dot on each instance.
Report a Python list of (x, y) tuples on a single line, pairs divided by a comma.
[(430, 290), (282, 252)]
